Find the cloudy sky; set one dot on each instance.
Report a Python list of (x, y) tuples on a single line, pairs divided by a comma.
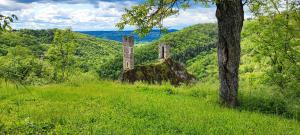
[(85, 15)]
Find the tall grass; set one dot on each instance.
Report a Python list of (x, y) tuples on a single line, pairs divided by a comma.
[(106, 107)]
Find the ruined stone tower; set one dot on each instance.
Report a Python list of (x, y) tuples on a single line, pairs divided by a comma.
[(164, 51), (128, 56)]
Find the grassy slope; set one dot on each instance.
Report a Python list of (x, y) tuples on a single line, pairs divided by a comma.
[(87, 106)]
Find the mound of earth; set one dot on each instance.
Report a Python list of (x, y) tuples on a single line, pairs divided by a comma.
[(164, 70)]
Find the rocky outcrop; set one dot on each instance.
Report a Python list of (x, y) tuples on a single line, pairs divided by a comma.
[(158, 72)]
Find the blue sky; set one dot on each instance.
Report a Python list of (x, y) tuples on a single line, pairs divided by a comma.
[(85, 15)]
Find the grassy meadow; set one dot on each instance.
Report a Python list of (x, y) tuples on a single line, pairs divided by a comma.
[(87, 105)]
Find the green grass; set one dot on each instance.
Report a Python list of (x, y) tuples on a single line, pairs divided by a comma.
[(105, 107)]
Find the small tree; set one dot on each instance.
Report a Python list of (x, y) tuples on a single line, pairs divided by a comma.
[(275, 32), (17, 65), (61, 54), (4, 26), (5, 22)]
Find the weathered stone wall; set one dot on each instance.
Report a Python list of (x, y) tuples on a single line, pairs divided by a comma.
[(167, 70), (164, 51), (128, 54)]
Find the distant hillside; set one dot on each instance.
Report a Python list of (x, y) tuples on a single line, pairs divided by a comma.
[(91, 51), (95, 51), (185, 45), (105, 56), (117, 35)]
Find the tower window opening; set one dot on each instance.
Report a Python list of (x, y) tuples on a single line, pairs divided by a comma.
[(163, 52)]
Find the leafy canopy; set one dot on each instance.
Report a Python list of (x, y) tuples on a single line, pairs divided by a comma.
[(151, 13), (62, 53), (5, 22), (275, 33)]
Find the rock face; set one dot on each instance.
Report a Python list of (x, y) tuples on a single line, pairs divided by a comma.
[(164, 70)]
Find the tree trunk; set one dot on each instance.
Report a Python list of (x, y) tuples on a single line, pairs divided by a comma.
[(230, 15)]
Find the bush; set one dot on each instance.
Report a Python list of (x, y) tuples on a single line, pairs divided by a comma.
[(20, 67)]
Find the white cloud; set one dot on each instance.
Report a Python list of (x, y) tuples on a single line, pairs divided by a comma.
[(87, 16), (11, 5), (190, 17)]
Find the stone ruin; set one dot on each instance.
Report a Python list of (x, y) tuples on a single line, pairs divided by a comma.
[(164, 70), (128, 56), (164, 51)]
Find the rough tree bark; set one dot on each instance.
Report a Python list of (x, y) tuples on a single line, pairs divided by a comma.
[(230, 15)]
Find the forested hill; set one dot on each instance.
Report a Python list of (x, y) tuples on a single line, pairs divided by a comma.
[(33, 56), (185, 45)]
